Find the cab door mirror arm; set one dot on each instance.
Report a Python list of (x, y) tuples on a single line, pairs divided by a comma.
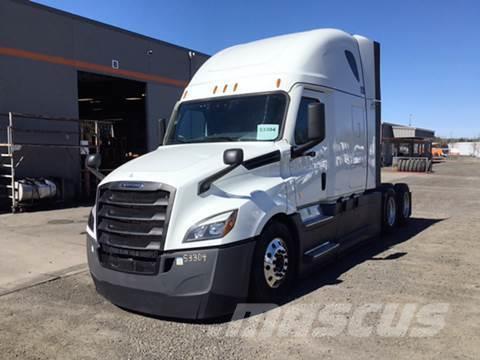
[(302, 150)]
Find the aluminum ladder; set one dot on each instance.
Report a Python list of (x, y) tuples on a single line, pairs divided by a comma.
[(7, 167)]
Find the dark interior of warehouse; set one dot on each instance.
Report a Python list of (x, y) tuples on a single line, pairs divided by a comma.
[(120, 106)]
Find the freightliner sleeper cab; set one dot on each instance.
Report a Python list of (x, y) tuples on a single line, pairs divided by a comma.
[(270, 165)]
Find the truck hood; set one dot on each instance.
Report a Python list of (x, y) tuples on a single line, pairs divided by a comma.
[(176, 165)]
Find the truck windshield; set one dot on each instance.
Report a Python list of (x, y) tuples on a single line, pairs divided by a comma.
[(246, 118)]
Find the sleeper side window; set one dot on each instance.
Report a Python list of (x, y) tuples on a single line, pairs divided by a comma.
[(353, 64), (301, 126)]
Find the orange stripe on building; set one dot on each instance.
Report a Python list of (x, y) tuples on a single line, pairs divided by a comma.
[(58, 60)]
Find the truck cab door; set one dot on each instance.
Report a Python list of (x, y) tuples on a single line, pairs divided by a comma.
[(309, 170)]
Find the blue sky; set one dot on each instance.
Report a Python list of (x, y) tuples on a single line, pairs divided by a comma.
[(430, 49)]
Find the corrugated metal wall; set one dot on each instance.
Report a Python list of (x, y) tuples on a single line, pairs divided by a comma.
[(42, 49)]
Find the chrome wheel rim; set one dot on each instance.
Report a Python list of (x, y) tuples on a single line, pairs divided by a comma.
[(275, 263), (391, 211), (406, 205)]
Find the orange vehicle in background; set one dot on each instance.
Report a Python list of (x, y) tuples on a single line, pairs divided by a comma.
[(438, 152)]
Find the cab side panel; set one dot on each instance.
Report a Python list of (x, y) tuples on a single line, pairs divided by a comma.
[(348, 150), (370, 59)]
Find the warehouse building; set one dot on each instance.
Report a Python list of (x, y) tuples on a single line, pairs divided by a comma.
[(405, 141), (56, 68)]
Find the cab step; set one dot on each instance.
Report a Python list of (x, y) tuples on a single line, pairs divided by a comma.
[(317, 253)]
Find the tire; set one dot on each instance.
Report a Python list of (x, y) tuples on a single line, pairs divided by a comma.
[(418, 166), (389, 205), (423, 166), (265, 286), (411, 163), (404, 203)]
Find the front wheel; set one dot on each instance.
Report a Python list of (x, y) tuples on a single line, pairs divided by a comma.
[(274, 261)]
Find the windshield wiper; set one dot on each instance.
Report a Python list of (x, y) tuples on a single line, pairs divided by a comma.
[(220, 138), (204, 139)]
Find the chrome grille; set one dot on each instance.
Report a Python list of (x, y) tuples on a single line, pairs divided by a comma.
[(132, 224)]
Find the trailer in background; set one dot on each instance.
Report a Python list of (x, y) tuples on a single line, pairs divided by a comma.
[(466, 148)]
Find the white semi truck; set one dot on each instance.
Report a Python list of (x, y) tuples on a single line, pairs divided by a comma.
[(270, 165)]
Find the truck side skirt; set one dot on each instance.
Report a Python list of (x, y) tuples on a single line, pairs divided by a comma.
[(343, 225)]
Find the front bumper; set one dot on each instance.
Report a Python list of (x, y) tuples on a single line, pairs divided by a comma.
[(209, 283)]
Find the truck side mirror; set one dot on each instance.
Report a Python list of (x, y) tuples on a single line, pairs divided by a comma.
[(162, 128), (233, 156), (93, 161), (316, 121)]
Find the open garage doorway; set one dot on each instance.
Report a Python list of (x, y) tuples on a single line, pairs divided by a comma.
[(119, 132), (118, 100)]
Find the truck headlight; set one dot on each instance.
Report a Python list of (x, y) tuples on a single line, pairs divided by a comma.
[(91, 220), (214, 227)]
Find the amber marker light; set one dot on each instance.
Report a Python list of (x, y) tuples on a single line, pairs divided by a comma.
[(215, 89), (225, 88), (235, 87), (279, 81), (230, 223)]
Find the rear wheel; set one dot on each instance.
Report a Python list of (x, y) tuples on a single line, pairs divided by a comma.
[(389, 210), (404, 202), (274, 263)]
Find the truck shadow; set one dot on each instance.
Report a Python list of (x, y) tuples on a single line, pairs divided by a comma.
[(329, 274)]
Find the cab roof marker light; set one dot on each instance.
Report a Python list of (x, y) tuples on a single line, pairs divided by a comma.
[(215, 89), (279, 81), (225, 88), (235, 87)]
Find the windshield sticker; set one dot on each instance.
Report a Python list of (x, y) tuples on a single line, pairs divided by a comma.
[(267, 131)]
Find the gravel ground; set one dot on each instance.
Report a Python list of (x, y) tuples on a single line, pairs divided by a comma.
[(433, 260)]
